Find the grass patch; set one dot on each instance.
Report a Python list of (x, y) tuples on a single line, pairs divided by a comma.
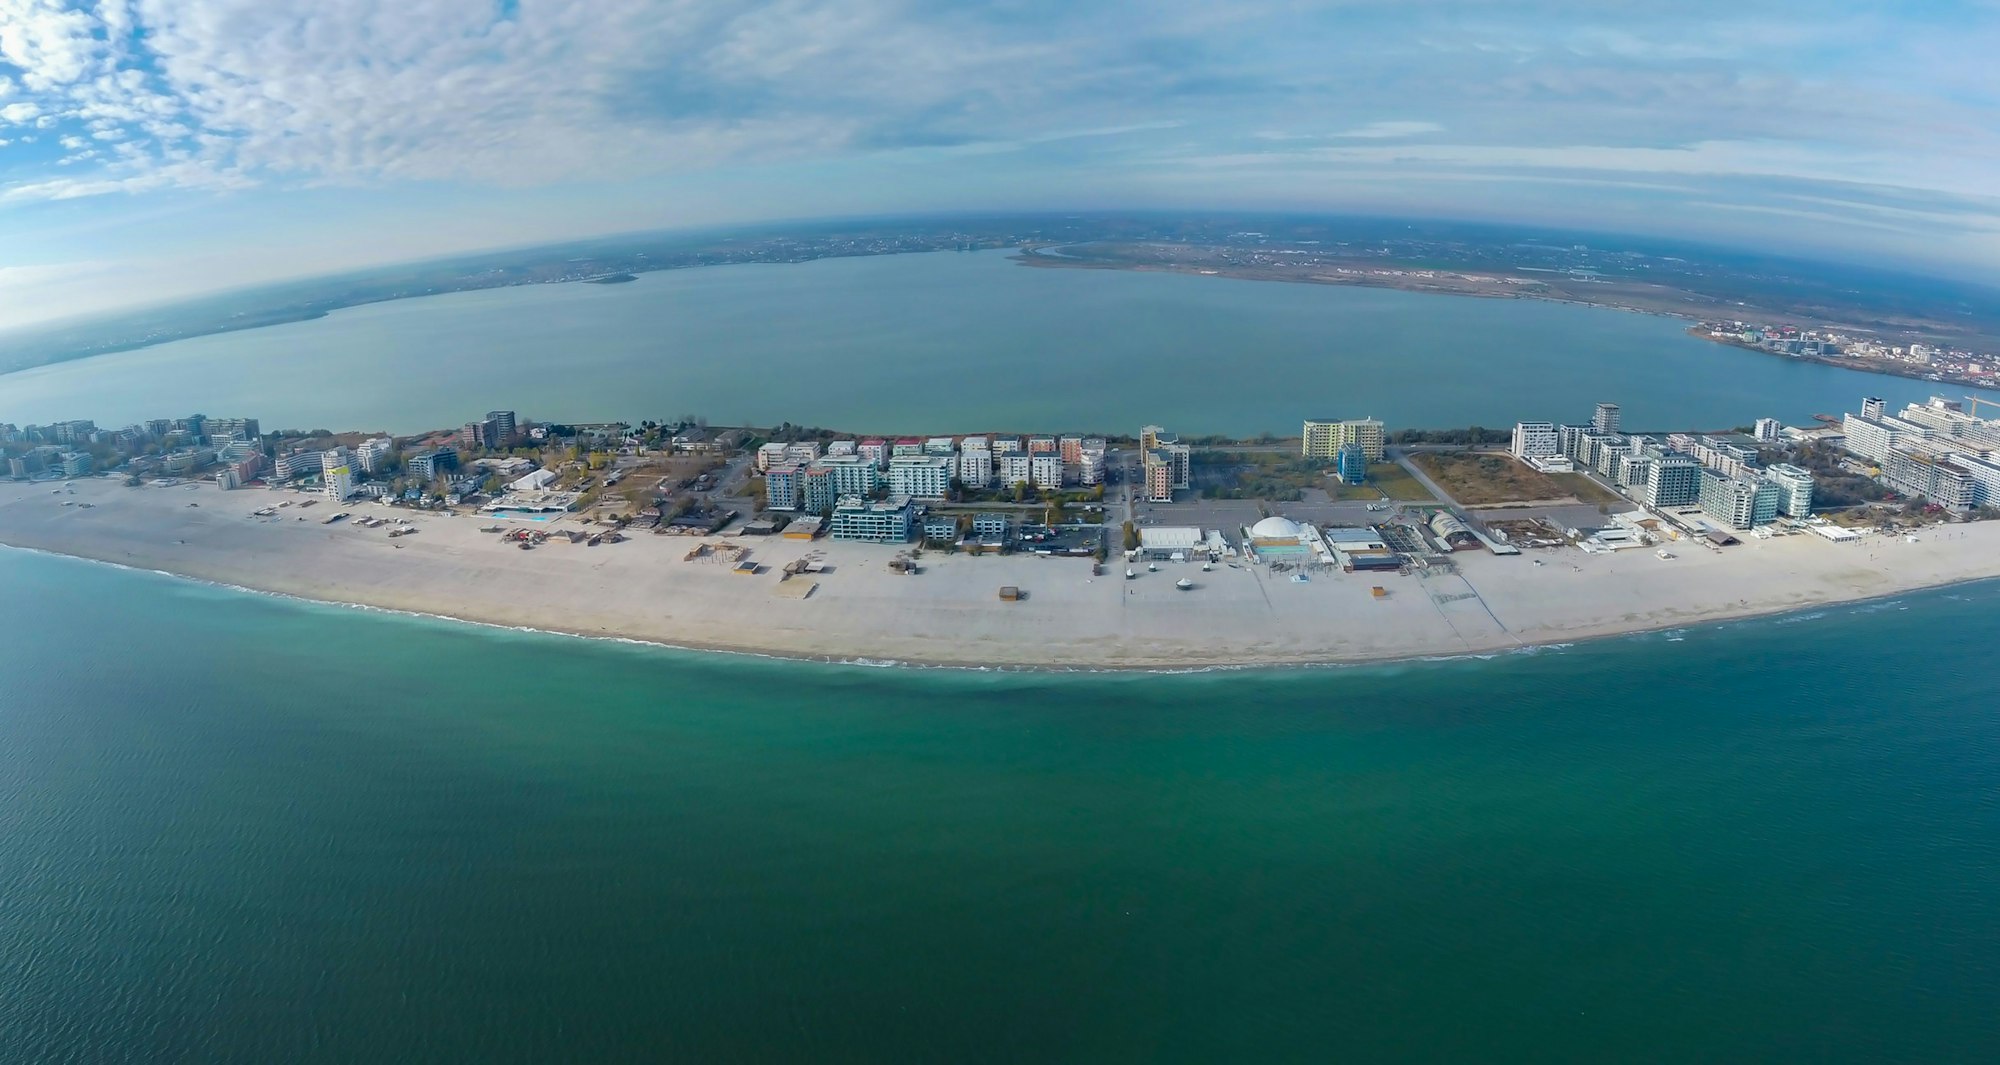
[(1395, 482)]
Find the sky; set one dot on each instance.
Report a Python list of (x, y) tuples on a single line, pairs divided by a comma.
[(153, 149)]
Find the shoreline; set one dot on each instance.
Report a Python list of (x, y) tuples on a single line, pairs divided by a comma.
[(858, 613), (1247, 665)]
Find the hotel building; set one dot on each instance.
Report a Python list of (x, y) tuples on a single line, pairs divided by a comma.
[(1323, 438)]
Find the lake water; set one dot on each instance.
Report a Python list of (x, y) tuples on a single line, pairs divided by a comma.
[(950, 342), (242, 829)]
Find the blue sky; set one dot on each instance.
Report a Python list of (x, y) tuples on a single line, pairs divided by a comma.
[(151, 149)]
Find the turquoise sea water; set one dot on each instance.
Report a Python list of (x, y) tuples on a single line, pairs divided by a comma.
[(951, 342), (235, 828)]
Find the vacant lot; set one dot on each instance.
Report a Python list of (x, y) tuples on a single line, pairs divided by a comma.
[(1585, 489), (1396, 483), (1482, 480)]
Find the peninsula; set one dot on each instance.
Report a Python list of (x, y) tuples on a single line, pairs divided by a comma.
[(1346, 544)]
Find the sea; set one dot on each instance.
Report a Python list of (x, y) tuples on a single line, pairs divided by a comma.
[(241, 828), (952, 342)]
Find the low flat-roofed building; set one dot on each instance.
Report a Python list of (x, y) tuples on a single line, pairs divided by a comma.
[(1166, 541), (533, 482), (886, 522), (940, 529)]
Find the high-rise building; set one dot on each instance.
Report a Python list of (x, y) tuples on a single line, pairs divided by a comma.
[(1149, 437), (1673, 481), (1942, 479), (1016, 468), (1047, 470), (1738, 502), (337, 456), (372, 455), (817, 490), (853, 475), (975, 467), (1090, 463), (1795, 489), (874, 450), (1767, 429), (1536, 440), (339, 482), (430, 464), (1351, 463), (1071, 450), (1042, 445), (503, 427), (1868, 437), (784, 487), (1606, 418), (1159, 473), (921, 476), (1871, 407), (1181, 461), (1323, 438)]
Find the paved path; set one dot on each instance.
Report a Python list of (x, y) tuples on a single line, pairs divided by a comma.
[(1403, 460)]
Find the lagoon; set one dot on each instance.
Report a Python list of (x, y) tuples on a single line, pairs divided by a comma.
[(947, 342)]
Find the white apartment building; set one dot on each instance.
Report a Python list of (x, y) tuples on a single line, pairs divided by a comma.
[(373, 453), (1795, 489), (1536, 440), (853, 475), (769, 455), (1047, 470), (1090, 467), (975, 467), (1016, 468), (921, 476)]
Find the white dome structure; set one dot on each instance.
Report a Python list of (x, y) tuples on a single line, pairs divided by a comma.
[(1277, 528)]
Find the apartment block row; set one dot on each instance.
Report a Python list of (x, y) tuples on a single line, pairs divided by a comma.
[(1934, 449), (800, 476), (1719, 473)]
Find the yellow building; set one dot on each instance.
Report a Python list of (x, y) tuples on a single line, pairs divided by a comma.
[(1324, 439)]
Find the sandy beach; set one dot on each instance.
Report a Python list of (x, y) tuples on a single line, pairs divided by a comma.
[(950, 612)]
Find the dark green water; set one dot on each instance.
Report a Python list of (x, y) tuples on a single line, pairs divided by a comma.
[(239, 829)]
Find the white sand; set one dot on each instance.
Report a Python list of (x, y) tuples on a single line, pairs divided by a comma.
[(951, 612)]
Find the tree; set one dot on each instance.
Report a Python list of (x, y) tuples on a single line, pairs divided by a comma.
[(1131, 537)]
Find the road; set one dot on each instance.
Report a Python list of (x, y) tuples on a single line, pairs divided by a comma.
[(1403, 459)]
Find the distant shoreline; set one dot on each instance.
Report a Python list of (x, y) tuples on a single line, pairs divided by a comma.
[(1042, 258)]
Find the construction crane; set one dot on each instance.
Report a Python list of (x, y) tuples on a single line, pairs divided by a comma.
[(1976, 401)]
